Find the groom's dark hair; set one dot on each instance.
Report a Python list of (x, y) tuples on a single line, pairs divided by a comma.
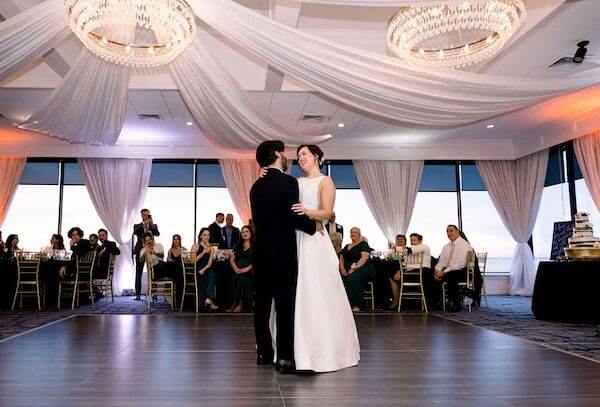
[(265, 153)]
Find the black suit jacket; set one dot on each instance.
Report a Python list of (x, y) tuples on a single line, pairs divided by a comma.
[(103, 253), (235, 238), (138, 231), (338, 228), (271, 198), (216, 234), (82, 247)]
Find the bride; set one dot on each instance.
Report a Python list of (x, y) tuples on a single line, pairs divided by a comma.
[(325, 337)]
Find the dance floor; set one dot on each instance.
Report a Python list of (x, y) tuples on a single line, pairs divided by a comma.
[(209, 360)]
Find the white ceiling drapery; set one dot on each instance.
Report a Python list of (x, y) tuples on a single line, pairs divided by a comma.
[(88, 106), (385, 3), (29, 35), (378, 84), (222, 107)]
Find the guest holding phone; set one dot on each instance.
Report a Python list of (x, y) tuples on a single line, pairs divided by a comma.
[(139, 230)]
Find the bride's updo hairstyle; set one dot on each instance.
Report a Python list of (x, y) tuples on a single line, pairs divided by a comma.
[(315, 150)]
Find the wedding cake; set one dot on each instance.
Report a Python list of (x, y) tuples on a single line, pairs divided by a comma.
[(583, 233)]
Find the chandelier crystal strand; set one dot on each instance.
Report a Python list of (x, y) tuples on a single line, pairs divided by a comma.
[(416, 34), (110, 28)]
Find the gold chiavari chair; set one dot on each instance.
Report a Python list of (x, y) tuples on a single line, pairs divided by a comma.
[(468, 284), (105, 285), (411, 280), (190, 282), (482, 261), (84, 268), (156, 287), (369, 295), (28, 278)]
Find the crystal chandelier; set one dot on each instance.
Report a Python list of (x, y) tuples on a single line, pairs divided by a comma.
[(136, 33), (454, 35)]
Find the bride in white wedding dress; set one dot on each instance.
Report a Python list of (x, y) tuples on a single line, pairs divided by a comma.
[(325, 337)]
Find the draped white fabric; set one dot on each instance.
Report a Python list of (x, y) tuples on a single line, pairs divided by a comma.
[(239, 177), (89, 104), (587, 150), (390, 189), (378, 84), (117, 188), (11, 169), (515, 188), (222, 107), (30, 34)]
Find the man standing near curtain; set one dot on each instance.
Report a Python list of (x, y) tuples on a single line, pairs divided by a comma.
[(216, 232), (231, 234), (139, 230)]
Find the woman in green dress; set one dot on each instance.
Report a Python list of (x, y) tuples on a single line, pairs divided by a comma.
[(356, 268), (202, 255), (241, 263)]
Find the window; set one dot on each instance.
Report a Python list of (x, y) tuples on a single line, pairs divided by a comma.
[(585, 203), (343, 176), (434, 211), (351, 210), (438, 178), (33, 214), (209, 175), (210, 202)]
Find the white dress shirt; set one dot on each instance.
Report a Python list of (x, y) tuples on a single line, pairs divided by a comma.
[(423, 248), (454, 256), (159, 253)]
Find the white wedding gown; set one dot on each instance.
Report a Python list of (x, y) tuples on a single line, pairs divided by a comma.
[(325, 337)]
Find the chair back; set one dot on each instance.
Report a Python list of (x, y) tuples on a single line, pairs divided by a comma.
[(471, 259), (413, 262), (482, 261), (28, 266), (112, 260), (85, 266)]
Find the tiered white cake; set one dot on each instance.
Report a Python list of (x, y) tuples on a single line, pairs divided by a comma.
[(583, 234)]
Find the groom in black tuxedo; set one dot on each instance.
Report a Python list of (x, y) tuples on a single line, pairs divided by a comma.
[(274, 256)]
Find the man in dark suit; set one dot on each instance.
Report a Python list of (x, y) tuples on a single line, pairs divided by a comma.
[(103, 252), (231, 234), (331, 227), (146, 226), (216, 232), (274, 255)]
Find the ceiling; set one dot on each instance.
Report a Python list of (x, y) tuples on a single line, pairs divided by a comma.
[(551, 31)]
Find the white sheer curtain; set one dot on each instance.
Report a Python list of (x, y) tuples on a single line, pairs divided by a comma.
[(515, 188), (390, 189), (587, 150), (11, 169), (222, 107), (239, 177), (117, 188), (89, 104), (374, 83), (30, 34)]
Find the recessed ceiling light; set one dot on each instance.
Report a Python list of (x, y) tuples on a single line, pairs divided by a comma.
[(490, 126), (35, 122), (340, 125), (189, 123), (15, 124)]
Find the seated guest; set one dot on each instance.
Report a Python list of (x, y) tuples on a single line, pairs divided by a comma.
[(216, 232), (241, 263), (356, 268), (11, 247), (231, 234), (417, 246), (336, 240), (331, 227), (103, 253), (177, 250), (56, 243), (94, 241), (202, 253), (400, 246), (452, 265), (80, 247)]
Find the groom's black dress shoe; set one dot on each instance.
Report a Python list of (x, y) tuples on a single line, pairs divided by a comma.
[(285, 366), (264, 359)]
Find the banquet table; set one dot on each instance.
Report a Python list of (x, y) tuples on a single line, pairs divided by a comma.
[(8, 281), (567, 291), (384, 269)]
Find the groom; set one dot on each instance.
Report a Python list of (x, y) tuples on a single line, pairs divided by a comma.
[(274, 258)]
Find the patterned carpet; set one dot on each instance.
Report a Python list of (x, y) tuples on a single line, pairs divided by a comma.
[(506, 314)]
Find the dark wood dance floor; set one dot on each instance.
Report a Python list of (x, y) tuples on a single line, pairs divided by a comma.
[(208, 360)]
